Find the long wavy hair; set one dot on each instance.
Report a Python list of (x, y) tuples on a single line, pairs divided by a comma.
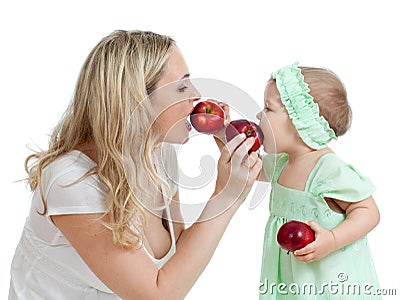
[(107, 107)]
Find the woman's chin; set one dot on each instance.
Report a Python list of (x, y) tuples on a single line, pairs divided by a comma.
[(186, 140), (183, 139), (179, 138)]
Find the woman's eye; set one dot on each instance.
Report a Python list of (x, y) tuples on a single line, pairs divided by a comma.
[(182, 89), (267, 109)]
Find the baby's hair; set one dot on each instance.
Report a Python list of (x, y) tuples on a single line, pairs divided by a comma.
[(330, 94)]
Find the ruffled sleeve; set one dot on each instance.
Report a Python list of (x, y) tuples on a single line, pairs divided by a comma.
[(273, 164), (333, 178)]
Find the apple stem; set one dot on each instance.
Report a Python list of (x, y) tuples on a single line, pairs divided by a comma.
[(288, 252)]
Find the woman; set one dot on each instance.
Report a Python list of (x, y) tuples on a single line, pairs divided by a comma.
[(95, 229)]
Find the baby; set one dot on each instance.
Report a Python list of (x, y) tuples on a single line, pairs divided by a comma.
[(306, 108)]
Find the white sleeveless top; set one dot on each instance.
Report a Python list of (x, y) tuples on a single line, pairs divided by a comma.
[(45, 265)]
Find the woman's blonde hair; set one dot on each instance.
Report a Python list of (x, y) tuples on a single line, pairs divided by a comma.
[(116, 78)]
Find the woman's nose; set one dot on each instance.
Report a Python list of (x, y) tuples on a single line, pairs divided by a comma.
[(195, 93), (193, 99)]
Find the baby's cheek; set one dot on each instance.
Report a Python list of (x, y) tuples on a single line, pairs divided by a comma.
[(265, 127), (269, 144)]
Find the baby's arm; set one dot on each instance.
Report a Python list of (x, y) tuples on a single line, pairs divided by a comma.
[(361, 218)]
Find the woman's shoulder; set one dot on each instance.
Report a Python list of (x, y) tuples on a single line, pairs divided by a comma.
[(68, 168), (70, 162), (69, 187)]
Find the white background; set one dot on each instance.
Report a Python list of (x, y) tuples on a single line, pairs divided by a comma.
[(44, 43)]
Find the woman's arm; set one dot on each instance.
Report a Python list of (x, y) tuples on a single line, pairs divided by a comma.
[(361, 218), (220, 138), (176, 215), (130, 273)]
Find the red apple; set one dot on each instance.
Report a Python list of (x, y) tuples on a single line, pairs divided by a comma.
[(294, 235), (207, 117), (249, 128)]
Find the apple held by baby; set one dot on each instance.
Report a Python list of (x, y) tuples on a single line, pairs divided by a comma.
[(294, 235)]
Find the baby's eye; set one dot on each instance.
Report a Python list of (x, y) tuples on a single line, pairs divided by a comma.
[(266, 109)]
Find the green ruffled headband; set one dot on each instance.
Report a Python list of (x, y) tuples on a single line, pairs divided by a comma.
[(313, 129)]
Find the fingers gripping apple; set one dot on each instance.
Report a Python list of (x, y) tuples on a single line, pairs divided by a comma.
[(249, 128)]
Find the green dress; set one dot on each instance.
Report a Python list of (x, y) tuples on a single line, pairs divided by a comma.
[(347, 273)]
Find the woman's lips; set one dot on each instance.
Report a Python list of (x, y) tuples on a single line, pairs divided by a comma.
[(191, 111), (188, 125)]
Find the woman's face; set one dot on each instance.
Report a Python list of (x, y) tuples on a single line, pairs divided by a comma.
[(279, 131), (173, 100)]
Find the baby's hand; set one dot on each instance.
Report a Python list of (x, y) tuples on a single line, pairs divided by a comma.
[(323, 245)]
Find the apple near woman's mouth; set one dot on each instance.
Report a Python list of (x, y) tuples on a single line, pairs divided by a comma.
[(207, 117)]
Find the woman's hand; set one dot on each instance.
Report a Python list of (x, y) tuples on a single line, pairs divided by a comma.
[(237, 170), (323, 245), (220, 137)]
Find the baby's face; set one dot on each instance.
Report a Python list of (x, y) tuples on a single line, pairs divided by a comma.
[(275, 123)]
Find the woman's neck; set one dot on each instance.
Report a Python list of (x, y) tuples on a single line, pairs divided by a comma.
[(89, 149)]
